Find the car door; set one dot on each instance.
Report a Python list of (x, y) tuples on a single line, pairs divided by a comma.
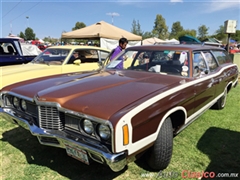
[(222, 58), (214, 67), (205, 86)]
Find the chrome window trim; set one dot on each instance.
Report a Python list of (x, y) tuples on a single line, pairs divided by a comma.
[(215, 58)]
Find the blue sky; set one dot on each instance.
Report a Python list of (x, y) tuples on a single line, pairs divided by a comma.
[(51, 18)]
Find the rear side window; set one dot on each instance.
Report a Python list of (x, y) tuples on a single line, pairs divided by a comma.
[(7, 48), (103, 55), (199, 64), (212, 64), (222, 57)]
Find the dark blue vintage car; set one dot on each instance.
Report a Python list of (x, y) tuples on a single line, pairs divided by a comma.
[(14, 52)]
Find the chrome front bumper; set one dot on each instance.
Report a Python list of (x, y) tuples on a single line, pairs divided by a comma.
[(61, 139)]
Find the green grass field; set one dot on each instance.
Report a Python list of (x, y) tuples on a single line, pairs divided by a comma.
[(210, 144)]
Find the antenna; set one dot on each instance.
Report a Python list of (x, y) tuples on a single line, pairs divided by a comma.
[(11, 27), (112, 15)]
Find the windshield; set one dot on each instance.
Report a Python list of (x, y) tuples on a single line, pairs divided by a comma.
[(52, 56), (166, 61)]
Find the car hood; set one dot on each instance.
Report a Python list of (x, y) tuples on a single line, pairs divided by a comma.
[(100, 94), (15, 73), (23, 68)]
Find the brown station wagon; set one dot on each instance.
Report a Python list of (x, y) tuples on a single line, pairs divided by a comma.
[(113, 116)]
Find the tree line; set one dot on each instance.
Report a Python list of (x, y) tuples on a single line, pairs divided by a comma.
[(160, 30)]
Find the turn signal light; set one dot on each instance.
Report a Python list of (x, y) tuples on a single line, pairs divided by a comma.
[(125, 135)]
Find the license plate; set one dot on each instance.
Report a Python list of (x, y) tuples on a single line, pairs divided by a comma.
[(77, 153)]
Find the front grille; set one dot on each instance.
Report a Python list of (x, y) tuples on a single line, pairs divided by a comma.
[(50, 118), (31, 108), (72, 122)]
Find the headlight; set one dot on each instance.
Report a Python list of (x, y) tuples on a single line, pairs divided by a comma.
[(1, 100), (23, 105), (104, 132), (15, 102), (6, 100), (88, 126)]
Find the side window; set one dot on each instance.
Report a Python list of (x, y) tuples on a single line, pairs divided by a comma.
[(143, 58), (222, 57), (199, 64), (103, 55), (159, 56), (85, 56), (18, 48), (7, 49), (89, 54), (1, 50), (10, 49), (212, 64)]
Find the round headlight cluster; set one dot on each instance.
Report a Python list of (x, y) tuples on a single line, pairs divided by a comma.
[(8, 101), (104, 132), (23, 105), (16, 102), (88, 126)]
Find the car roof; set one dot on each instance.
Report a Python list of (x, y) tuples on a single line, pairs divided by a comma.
[(77, 47), (190, 47), (7, 38)]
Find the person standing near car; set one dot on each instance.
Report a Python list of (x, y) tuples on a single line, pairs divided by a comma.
[(121, 46)]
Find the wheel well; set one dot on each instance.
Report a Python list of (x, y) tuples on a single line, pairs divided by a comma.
[(178, 119), (229, 87)]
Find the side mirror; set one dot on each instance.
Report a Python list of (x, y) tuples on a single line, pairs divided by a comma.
[(77, 62), (206, 71)]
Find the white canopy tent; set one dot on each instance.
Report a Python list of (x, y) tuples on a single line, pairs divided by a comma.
[(152, 40), (172, 41), (41, 41)]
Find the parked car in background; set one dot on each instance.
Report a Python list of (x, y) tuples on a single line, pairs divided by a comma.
[(186, 39), (42, 47), (114, 116), (55, 60), (13, 52)]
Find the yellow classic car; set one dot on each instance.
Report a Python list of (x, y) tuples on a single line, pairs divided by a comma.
[(55, 60)]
